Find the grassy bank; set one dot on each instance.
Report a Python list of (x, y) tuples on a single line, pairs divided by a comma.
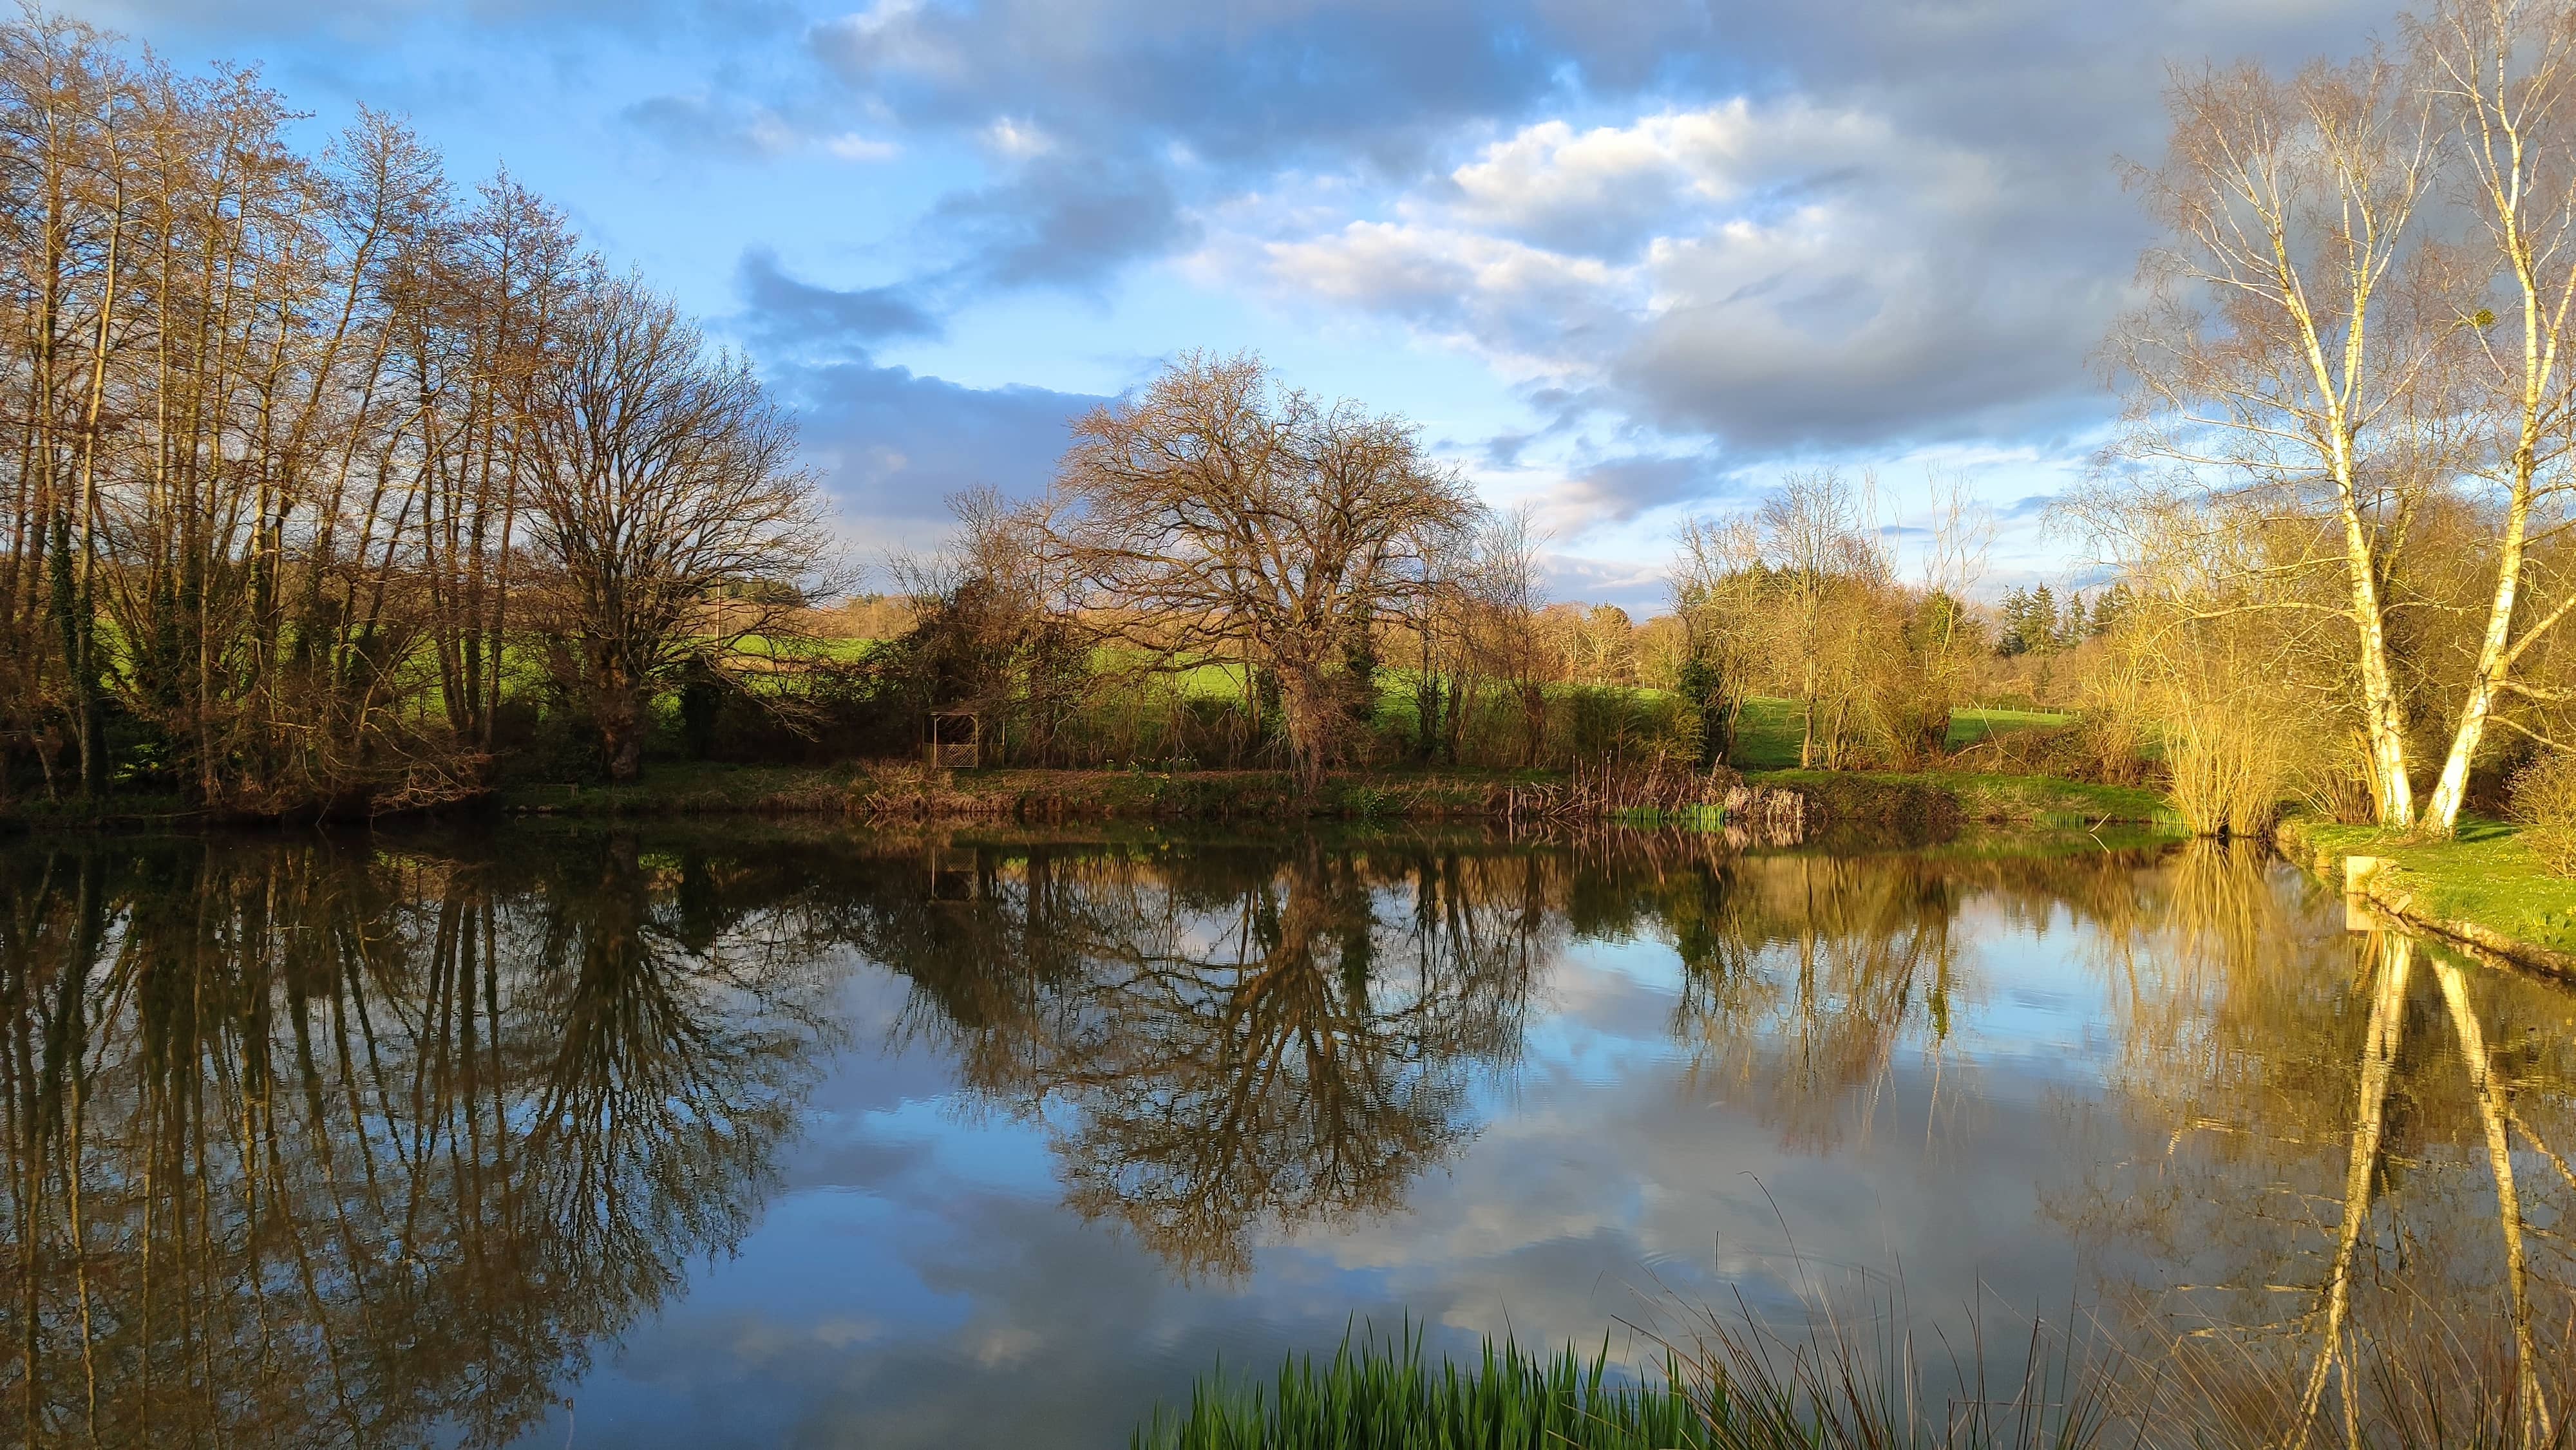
[(910, 792), (1923, 805), (1897, 798), (2482, 886)]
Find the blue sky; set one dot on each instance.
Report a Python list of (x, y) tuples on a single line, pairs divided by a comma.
[(1625, 262)]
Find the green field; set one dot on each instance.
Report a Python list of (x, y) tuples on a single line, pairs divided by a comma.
[(1766, 733)]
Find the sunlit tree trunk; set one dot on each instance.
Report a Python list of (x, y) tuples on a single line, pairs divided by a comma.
[(2494, 1111), (2369, 1122), (2506, 69)]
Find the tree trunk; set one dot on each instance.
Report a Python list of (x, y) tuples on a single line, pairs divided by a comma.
[(2496, 651), (617, 706), (1807, 729), (1306, 699), (2383, 724)]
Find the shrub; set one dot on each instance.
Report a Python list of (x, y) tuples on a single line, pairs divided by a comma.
[(2544, 800), (2085, 749)]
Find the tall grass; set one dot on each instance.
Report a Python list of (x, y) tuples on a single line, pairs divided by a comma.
[(1865, 1383), (1382, 1394), (1836, 1385)]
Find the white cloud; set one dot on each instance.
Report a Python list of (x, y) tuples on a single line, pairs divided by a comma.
[(893, 35), (1018, 140), (1781, 274), (851, 146), (1410, 268)]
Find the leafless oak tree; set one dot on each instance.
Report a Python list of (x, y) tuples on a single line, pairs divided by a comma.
[(1217, 513)]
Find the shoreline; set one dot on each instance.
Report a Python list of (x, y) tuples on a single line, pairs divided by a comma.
[(1774, 807), (2481, 891)]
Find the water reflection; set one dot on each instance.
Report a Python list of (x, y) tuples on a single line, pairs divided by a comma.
[(1231, 1039), (2343, 1200), (388, 1142), (313, 1146)]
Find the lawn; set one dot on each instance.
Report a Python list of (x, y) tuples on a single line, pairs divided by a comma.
[(2483, 876), (1766, 733)]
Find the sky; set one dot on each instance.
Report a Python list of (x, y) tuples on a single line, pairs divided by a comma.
[(1626, 263)]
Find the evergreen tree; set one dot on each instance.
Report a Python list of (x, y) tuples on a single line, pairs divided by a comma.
[(2042, 631), (2074, 629), (2014, 638), (2109, 609)]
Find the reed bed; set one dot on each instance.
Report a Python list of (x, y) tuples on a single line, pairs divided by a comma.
[(1657, 791), (1863, 1383), (1383, 1394), (1837, 1384)]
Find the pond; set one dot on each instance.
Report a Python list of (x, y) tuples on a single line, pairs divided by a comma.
[(701, 1136)]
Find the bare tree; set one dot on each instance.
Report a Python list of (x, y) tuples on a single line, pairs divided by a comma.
[(1506, 598), (666, 502), (1217, 513), (273, 421), (1718, 594), (1827, 572), (2294, 328)]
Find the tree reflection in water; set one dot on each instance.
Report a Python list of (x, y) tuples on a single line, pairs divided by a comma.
[(1230, 1039), (1803, 975), (2325, 1194), (2345, 1212), (313, 1146)]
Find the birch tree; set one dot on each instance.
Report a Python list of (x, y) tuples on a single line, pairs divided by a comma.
[(2293, 330), (2504, 72)]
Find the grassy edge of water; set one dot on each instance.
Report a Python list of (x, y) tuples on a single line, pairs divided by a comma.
[(1841, 1382), (1968, 797), (1858, 797), (903, 790), (1920, 807), (2481, 887)]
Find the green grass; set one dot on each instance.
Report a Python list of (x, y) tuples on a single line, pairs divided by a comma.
[(840, 649), (2483, 876), (2049, 801), (1842, 1384), (1766, 731), (1766, 735), (1383, 1395), (1967, 727)]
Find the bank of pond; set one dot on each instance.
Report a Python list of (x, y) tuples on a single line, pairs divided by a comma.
[(687, 1132)]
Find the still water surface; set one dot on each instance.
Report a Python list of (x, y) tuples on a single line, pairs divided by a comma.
[(713, 1137)]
